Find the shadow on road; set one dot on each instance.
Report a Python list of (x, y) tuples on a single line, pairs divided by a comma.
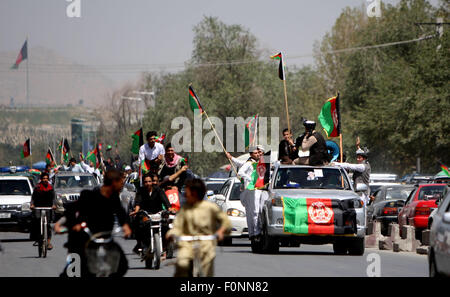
[(15, 240)]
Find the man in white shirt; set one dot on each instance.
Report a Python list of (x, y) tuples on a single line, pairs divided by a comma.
[(73, 166), (250, 197), (152, 151)]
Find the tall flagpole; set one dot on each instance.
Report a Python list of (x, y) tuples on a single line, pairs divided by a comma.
[(220, 141), (287, 107), (28, 91)]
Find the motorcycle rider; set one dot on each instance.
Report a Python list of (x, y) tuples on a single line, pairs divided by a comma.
[(313, 142), (43, 196), (198, 217), (152, 199), (98, 208)]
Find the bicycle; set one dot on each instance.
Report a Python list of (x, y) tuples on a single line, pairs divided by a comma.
[(43, 236), (197, 261)]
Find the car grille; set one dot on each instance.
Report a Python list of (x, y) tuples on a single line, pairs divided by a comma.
[(73, 197), (10, 207)]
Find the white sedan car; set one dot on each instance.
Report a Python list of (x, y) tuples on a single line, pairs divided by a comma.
[(228, 200)]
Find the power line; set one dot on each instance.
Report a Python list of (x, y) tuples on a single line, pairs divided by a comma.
[(133, 68)]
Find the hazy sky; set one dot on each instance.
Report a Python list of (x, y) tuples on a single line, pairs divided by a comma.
[(112, 32)]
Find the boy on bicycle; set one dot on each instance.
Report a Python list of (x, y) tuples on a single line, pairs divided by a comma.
[(198, 217), (43, 196)]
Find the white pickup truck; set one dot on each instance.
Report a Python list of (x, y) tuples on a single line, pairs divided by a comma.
[(15, 198)]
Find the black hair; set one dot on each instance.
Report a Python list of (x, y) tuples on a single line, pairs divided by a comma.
[(150, 134), (151, 175), (111, 175), (285, 130), (45, 174), (198, 186), (72, 160), (168, 145)]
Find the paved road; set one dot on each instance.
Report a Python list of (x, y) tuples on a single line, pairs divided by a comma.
[(19, 258)]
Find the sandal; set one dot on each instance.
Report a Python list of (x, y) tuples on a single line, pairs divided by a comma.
[(49, 246)]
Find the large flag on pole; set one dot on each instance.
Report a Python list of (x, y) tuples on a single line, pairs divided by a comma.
[(194, 102), (26, 151), (330, 117), (138, 141), (250, 132), (23, 55), (49, 157), (281, 73)]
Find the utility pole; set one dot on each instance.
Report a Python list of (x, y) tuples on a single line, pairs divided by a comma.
[(439, 25)]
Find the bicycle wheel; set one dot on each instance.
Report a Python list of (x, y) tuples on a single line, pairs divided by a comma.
[(45, 237), (40, 239)]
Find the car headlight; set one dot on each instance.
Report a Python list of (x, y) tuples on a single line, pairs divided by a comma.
[(233, 212), (358, 203), (25, 206)]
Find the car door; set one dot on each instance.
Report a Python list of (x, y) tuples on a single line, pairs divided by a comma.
[(224, 191), (378, 202), (371, 207), (442, 239), (402, 216)]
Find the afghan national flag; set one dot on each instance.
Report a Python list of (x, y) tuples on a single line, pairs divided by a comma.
[(261, 173), (23, 55), (194, 102), (250, 131), (161, 138), (34, 171), (98, 149), (445, 169), (184, 161), (49, 157), (60, 144), (330, 117), (66, 147), (317, 216), (92, 156), (26, 151), (281, 73), (138, 141), (145, 166)]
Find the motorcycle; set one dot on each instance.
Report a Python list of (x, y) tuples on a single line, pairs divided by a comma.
[(152, 244), (167, 224), (103, 254)]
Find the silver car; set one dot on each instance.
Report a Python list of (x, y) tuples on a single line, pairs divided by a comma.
[(439, 252), (68, 186), (312, 205)]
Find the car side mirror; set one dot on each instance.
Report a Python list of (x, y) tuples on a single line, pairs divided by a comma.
[(219, 198), (446, 218), (361, 188)]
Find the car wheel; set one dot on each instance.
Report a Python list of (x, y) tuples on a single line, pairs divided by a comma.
[(357, 246), (269, 244), (432, 267), (339, 247)]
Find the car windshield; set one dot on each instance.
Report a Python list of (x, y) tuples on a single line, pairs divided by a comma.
[(75, 181), (432, 192), (310, 178), (14, 187), (398, 193), (235, 192)]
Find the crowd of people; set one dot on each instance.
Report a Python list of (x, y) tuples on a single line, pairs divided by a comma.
[(162, 174)]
